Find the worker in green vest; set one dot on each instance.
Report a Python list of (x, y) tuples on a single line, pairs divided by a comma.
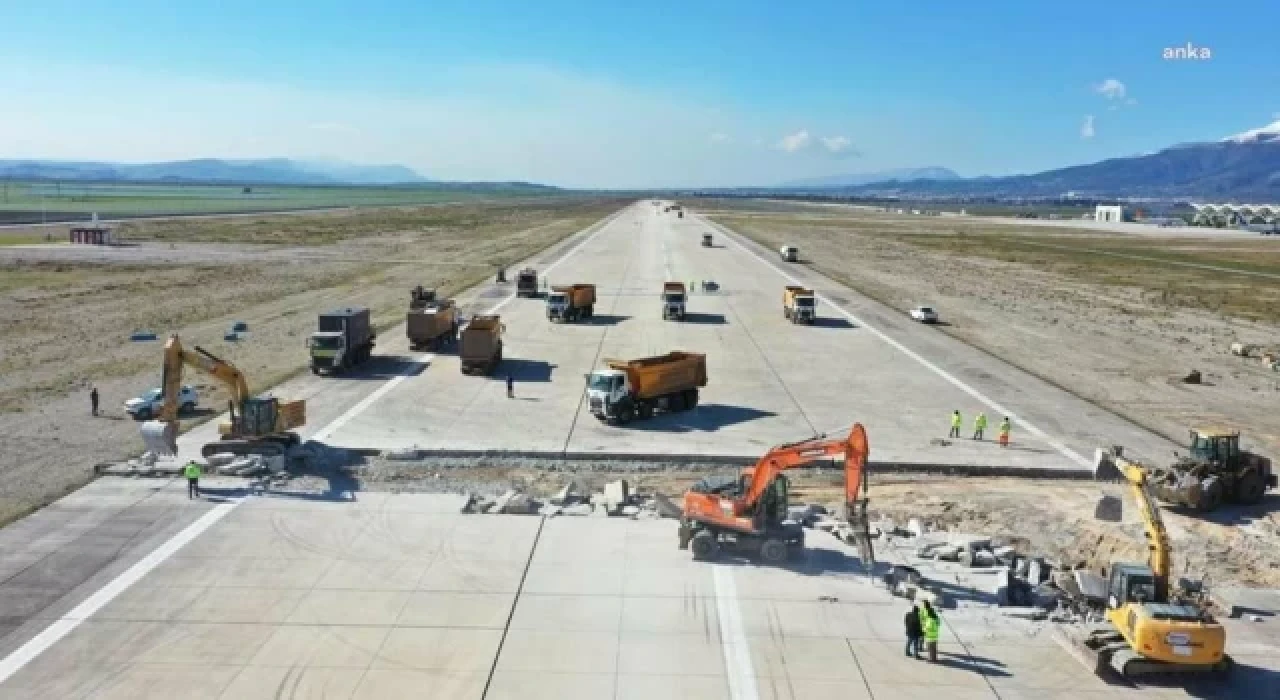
[(931, 625), (192, 472), (979, 425), (1004, 432), (956, 420)]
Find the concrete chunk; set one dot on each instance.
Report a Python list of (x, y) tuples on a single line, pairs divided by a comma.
[(520, 504), (616, 494), (577, 509), (915, 527), (1005, 553), (665, 507), (564, 495), (1092, 586)]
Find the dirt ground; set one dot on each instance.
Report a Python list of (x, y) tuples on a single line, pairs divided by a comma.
[(1083, 310), (68, 310)]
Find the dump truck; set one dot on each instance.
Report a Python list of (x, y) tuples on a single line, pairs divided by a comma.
[(480, 348), (433, 326), (789, 253), (527, 283), (626, 390), (673, 298), (706, 240), (571, 303), (799, 305), (343, 339)]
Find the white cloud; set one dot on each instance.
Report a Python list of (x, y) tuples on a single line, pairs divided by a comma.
[(1111, 89), (1131, 101), (1086, 129), (720, 137), (792, 143), (838, 144)]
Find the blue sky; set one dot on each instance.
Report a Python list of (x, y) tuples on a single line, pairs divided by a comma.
[(650, 94)]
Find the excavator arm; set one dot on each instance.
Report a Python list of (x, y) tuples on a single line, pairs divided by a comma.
[(1153, 524), (852, 448), (161, 435)]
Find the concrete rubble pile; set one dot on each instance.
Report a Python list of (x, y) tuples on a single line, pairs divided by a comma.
[(616, 500)]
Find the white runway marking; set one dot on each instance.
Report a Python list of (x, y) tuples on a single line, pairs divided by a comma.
[(733, 639), (1065, 451), (63, 626)]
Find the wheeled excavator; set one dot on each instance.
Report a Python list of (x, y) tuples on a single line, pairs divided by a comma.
[(749, 512), (1151, 629), (260, 426)]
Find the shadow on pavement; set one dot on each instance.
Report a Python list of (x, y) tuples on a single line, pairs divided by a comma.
[(383, 367), (606, 320), (522, 370), (708, 417), (828, 322), (704, 319)]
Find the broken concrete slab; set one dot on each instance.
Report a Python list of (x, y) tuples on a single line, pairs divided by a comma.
[(1092, 586), (983, 557), (616, 494), (947, 552), (519, 504), (577, 509), (500, 505), (215, 460), (563, 496), (600, 510), (1004, 553), (630, 510), (550, 510), (915, 527), (1025, 613)]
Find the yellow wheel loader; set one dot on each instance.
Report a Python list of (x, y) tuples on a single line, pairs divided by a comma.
[(258, 425)]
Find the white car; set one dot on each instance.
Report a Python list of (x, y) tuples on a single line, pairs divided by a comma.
[(924, 314), (148, 405)]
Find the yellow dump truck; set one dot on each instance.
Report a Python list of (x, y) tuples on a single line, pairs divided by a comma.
[(571, 303), (673, 298), (433, 326), (623, 390), (799, 305), (480, 348)]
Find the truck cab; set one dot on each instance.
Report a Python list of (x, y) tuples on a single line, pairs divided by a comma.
[(789, 253), (804, 308), (328, 349), (557, 303), (673, 300), (606, 387)]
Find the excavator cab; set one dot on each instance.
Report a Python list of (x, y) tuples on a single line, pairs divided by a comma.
[(257, 417), (1134, 583)]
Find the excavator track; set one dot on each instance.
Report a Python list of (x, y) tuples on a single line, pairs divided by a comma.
[(273, 446)]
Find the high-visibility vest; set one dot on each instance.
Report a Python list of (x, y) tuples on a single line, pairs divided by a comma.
[(192, 470), (981, 421), (1004, 427), (955, 420), (931, 625)]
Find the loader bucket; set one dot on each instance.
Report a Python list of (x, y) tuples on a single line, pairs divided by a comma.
[(1104, 467), (1109, 509), (160, 437)]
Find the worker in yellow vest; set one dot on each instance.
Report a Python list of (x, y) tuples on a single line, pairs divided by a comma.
[(955, 424), (979, 425), (931, 625), (1004, 432), (192, 472)]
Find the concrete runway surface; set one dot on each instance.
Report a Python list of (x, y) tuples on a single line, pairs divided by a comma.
[(128, 589), (769, 381)]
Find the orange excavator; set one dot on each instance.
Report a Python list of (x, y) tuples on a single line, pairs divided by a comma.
[(749, 512)]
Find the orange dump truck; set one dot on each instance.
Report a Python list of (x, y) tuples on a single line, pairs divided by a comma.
[(621, 391), (481, 344), (576, 301), (433, 326), (799, 305)]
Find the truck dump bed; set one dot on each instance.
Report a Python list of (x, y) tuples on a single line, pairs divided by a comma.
[(580, 295), (423, 324), (480, 339), (664, 374), (790, 292), (673, 287)]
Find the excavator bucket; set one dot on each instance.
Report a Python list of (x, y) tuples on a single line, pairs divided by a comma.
[(160, 437), (1109, 509), (1104, 464)]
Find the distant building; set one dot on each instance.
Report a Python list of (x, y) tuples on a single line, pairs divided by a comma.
[(1108, 213), (1236, 214)]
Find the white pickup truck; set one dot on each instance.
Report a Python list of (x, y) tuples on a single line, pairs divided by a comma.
[(924, 314), (145, 407)]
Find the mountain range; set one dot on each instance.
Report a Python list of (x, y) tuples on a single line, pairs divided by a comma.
[(1242, 167), (897, 175), (266, 171)]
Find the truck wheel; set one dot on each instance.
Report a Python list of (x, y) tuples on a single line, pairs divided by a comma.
[(315, 370), (625, 415), (644, 411), (591, 310), (1250, 489), (187, 408), (675, 402), (143, 414), (704, 546), (691, 398), (773, 551)]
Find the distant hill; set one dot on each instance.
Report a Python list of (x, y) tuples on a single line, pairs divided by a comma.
[(267, 171), (897, 175), (1242, 167)]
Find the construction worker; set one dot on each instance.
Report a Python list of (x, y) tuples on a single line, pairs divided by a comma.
[(930, 623), (915, 632), (192, 472), (511, 387), (956, 421), (93, 400), (1004, 432), (979, 425)]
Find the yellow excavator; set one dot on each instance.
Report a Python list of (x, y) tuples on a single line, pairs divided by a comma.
[(258, 425), (1149, 628)]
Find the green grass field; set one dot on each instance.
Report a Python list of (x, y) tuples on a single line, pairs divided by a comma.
[(34, 202)]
